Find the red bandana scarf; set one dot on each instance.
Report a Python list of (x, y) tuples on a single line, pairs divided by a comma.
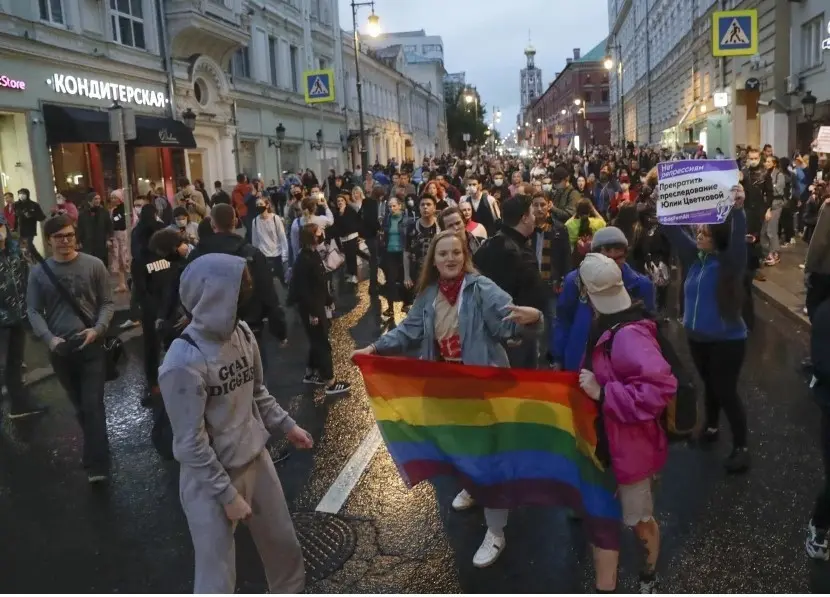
[(451, 288)]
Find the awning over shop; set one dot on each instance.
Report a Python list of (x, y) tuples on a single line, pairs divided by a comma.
[(65, 124)]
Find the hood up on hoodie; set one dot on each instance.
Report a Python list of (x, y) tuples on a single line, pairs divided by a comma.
[(209, 292)]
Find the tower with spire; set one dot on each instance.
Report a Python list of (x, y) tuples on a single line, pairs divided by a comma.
[(531, 78)]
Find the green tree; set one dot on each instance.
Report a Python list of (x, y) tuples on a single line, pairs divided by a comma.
[(461, 118)]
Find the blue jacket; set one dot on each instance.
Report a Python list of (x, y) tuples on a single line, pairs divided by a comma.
[(481, 325), (574, 316), (702, 318)]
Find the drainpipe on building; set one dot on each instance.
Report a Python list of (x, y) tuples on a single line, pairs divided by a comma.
[(235, 137), (166, 59)]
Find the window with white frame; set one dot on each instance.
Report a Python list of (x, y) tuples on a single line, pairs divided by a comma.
[(241, 63), (274, 56), (811, 33), (127, 18), (52, 11), (295, 68)]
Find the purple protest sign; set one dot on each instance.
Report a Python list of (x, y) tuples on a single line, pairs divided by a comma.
[(695, 191)]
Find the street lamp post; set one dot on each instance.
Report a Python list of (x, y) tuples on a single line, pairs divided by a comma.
[(278, 144), (471, 97), (609, 65), (374, 29)]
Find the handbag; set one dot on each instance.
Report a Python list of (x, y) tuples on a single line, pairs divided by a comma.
[(333, 257), (113, 347)]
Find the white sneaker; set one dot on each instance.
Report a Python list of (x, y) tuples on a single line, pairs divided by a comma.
[(129, 324), (490, 550), (463, 501)]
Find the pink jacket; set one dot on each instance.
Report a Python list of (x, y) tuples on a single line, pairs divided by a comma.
[(638, 384)]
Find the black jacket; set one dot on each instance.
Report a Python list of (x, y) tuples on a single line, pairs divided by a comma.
[(370, 218), (308, 289), (27, 214), (14, 275), (559, 263), (346, 223), (508, 259), (94, 230), (141, 256), (265, 302), (759, 194)]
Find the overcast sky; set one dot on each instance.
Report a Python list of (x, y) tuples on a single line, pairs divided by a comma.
[(487, 38)]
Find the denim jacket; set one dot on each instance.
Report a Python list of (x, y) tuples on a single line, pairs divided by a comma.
[(481, 313)]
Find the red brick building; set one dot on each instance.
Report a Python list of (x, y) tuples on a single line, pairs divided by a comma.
[(581, 91)]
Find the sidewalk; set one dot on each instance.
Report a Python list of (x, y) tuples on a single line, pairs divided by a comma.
[(784, 287)]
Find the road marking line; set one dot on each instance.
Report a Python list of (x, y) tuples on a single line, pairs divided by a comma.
[(339, 492)]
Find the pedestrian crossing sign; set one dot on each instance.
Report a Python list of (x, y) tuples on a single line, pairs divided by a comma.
[(735, 33), (319, 86)]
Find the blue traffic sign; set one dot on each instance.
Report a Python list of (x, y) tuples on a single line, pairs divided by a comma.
[(735, 33), (319, 86)]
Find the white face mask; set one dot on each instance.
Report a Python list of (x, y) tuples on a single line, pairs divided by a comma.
[(547, 187), (21, 197), (471, 190), (410, 202), (498, 181), (181, 223), (753, 163)]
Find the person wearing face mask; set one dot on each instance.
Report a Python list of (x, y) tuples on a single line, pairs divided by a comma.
[(547, 185), (119, 255), (625, 196), (14, 273), (462, 317), (269, 237), (28, 214), (564, 197), (95, 229), (605, 189), (508, 259), (309, 292), (486, 210), (189, 231)]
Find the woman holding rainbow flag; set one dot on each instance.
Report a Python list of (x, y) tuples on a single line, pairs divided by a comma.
[(462, 317)]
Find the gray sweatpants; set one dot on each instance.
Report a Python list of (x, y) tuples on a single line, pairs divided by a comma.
[(270, 525)]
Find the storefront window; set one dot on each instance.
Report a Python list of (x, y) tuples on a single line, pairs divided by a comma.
[(147, 168), (15, 160), (179, 165), (70, 166)]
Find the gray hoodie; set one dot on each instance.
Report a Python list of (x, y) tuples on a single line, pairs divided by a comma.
[(220, 410)]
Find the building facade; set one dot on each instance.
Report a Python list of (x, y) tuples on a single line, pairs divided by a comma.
[(430, 47), (454, 84), (809, 67), (664, 77), (403, 118), (574, 109)]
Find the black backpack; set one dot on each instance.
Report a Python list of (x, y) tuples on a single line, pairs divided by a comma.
[(680, 419)]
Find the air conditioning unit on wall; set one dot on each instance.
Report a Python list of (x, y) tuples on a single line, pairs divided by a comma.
[(793, 84)]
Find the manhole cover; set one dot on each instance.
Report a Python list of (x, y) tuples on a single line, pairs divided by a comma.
[(327, 542)]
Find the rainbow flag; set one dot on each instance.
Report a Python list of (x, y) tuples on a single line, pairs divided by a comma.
[(514, 437)]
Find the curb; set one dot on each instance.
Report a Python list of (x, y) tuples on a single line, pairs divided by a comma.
[(779, 297)]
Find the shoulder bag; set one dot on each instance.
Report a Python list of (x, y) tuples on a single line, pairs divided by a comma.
[(113, 347)]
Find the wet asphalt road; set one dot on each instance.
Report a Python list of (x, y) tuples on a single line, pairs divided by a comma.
[(720, 534)]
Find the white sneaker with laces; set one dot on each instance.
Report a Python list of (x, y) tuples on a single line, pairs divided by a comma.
[(463, 501), (490, 550)]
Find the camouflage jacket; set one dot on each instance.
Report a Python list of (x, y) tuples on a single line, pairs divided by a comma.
[(14, 274)]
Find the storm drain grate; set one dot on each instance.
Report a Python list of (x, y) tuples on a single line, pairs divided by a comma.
[(327, 541)]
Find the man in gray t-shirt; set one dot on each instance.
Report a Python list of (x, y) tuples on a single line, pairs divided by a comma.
[(76, 350)]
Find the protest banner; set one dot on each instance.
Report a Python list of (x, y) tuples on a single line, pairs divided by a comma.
[(695, 191)]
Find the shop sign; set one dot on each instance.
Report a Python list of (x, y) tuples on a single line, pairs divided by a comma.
[(167, 138), (9, 83), (106, 90)]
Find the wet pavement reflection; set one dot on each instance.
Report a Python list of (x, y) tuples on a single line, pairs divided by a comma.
[(720, 533)]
